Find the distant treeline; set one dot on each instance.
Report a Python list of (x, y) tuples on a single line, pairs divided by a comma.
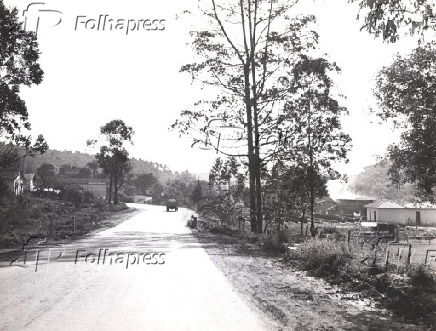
[(80, 160)]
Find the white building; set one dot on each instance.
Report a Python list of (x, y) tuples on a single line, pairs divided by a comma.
[(391, 212)]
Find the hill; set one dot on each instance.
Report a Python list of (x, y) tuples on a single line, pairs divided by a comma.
[(80, 160), (374, 181)]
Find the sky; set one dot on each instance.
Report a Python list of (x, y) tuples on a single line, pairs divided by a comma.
[(92, 77)]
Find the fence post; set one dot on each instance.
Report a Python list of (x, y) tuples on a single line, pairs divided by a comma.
[(409, 254), (74, 225), (348, 238), (387, 259)]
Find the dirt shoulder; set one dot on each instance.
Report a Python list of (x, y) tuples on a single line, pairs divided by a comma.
[(288, 298)]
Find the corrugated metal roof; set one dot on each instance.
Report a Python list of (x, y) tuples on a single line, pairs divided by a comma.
[(383, 204)]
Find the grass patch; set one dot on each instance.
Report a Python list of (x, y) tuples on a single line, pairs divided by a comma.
[(358, 267), (52, 219)]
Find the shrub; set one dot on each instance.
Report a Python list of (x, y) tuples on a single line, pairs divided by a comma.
[(323, 258), (122, 197), (330, 230), (275, 243), (283, 236), (420, 276)]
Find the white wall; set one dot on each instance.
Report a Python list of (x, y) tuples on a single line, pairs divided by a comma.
[(401, 215)]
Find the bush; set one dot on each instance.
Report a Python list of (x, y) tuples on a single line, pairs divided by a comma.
[(330, 230), (323, 258), (283, 236), (420, 276), (122, 197), (276, 243)]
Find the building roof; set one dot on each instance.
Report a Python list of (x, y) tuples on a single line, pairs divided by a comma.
[(384, 204), (417, 205), (356, 198)]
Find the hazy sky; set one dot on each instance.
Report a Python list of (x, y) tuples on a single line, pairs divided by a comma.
[(92, 77)]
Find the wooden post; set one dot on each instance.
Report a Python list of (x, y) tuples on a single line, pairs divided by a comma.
[(387, 259), (409, 254), (74, 225)]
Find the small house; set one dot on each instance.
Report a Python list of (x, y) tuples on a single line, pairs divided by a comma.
[(390, 212), (14, 181)]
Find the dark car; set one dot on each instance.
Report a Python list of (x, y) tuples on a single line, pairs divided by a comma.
[(172, 204)]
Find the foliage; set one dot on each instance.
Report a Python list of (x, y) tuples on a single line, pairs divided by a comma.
[(421, 276), (197, 193), (93, 167), (293, 186), (46, 173), (374, 182), (144, 182), (276, 242), (244, 54), (323, 258), (77, 160), (19, 55), (405, 94), (113, 158), (386, 18)]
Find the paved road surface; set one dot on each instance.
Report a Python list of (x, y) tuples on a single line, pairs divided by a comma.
[(186, 292)]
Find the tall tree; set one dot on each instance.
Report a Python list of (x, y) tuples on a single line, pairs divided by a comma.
[(144, 182), (243, 53), (93, 167), (19, 55), (113, 157), (294, 186), (197, 193), (405, 92), (46, 172), (314, 120)]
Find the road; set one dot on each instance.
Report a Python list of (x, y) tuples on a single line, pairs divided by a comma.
[(160, 279)]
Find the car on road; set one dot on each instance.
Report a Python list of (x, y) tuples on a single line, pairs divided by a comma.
[(172, 204)]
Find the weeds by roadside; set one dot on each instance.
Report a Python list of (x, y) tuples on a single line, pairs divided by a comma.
[(54, 219), (359, 267)]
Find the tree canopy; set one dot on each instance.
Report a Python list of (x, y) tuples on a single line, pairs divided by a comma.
[(386, 18), (19, 55), (247, 53), (405, 94), (113, 157)]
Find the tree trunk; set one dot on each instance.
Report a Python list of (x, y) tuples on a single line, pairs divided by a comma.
[(254, 92), (110, 190), (251, 161), (311, 175), (302, 222), (116, 189)]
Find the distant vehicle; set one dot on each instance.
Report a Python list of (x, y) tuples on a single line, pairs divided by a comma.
[(172, 204)]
